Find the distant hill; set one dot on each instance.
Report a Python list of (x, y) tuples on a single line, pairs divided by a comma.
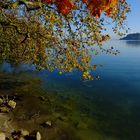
[(134, 36)]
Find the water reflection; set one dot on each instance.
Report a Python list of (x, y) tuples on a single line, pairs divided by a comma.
[(132, 43), (6, 67)]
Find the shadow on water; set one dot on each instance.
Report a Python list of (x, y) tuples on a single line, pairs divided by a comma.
[(133, 43)]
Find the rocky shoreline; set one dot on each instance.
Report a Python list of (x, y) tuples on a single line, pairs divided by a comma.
[(7, 130), (54, 115), (19, 122), (41, 115)]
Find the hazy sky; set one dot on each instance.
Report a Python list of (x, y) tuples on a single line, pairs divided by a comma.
[(133, 19), (134, 16)]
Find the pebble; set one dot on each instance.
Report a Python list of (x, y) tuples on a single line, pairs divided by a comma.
[(12, 104), (48, 123), (4, 109), (38, 136)]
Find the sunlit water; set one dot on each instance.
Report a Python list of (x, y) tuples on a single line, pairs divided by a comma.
[(107, 109)]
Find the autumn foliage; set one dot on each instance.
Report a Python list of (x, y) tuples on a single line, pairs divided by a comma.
[(96, 7), (64, 6), (58, 34), (46, 1)]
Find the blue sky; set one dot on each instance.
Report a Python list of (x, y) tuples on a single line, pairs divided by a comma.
[(134, 17)]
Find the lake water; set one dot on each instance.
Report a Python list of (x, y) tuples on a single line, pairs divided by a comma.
[(106, 109)]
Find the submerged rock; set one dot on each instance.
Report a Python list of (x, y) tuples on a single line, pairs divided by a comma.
[(38, 136), (6, 106), (47, 124), (24, 133), (12, 104), (4, 109)]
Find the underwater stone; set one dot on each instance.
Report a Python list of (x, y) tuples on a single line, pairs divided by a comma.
[(38, 136), (48, 123), (4, 109), (24, 133), (12, 104)]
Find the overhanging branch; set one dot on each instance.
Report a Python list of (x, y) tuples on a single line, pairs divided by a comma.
[(30, 6)]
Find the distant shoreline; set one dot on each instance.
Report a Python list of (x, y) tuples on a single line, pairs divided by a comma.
[(132, 37), (128, 40)]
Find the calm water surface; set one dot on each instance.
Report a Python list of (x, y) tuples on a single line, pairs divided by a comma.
[(107, 109)]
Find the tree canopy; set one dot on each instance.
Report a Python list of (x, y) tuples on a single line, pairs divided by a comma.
[(57, 34)]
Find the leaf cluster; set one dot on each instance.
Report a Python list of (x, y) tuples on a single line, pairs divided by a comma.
[(53, 37)]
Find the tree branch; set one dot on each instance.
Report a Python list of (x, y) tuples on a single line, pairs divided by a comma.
[(30, 6)]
